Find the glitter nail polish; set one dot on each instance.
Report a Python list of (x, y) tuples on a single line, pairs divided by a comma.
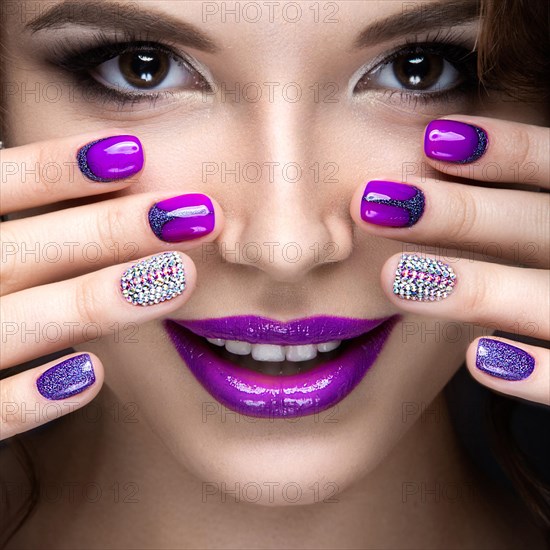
[(111, 158), (423, 279), (453, 141), (182, 218), (391, 204), (67, 378), (154, 280), (503, 360)]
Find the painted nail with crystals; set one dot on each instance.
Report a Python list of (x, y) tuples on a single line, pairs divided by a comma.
[(67, 378), (182, 218), (423, 279), (154, 280), (391, 204), (111, 159), (453, 141), (503, 360)]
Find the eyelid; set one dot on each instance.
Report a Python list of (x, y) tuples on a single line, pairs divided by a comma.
[(450, 37), (85, 59), (438, 48)]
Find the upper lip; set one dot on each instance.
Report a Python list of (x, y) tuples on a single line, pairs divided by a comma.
[(261, 330)]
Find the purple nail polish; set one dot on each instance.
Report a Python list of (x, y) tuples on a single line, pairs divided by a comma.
[(111, 158), (452, 141), (182, 218), (67, 378), (503, 360), (391, 204)]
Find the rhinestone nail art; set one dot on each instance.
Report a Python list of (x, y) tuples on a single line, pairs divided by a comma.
[(423, 279), (154, 280)]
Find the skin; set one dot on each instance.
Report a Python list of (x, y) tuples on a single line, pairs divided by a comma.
[(154, 433)]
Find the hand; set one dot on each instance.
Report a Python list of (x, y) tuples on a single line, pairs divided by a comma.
[(61, 272), (506, 226)]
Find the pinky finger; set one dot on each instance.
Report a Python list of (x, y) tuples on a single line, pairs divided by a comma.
[(512, 368), (40, 395)]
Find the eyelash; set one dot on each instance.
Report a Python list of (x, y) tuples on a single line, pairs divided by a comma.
[(79, 60)]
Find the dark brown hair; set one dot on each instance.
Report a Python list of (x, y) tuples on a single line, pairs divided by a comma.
[(513, 51)]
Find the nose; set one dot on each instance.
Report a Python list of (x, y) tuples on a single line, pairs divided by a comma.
[(296, 218)]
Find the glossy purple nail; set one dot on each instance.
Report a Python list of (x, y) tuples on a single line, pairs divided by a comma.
[(503, 360), (182, 218), (452, 141), (67, 378), (391, 204), (111, 158)]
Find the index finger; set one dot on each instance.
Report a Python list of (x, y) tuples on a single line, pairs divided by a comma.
[(78, 166), (486, 149)]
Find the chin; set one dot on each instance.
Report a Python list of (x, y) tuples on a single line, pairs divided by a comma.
[(280, 459)]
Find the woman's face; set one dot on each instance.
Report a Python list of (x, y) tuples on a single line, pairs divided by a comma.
[(292, 107)]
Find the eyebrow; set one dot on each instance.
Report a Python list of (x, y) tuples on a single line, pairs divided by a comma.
[(130, 18), (423, 17)]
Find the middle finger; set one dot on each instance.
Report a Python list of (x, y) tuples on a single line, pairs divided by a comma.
[(507, 224), (67, 243)]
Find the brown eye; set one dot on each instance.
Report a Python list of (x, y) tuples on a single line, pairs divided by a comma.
[(418, 71), (144, 68)]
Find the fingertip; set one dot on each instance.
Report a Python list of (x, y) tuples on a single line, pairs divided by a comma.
[(162, 280)]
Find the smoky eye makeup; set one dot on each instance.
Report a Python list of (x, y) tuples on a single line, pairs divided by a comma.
[(436, 68), (127, 68)]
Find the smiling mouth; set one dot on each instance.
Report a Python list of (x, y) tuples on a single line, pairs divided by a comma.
[(263, 367), (276, 360)]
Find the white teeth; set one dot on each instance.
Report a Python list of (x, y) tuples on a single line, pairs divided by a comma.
[(268, 352), (301, 353), (216, 341), (329, 346), (271, 352), (239, 348)]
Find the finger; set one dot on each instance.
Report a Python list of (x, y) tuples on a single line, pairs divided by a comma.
[(78, 166), (502, 223), (486, 149), (40, 395), (44, 319), (67, 243), (512, 368), (510, 299)]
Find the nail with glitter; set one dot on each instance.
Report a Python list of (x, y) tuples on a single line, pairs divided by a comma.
[(182, 218), (391, 204), (503, 360), (154, 280), (111, 158), (453, 141), (67, 378), (423, 279)]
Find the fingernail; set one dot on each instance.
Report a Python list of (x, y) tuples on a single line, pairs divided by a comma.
[(452, 141), (503, 360), (111, 158), (67, 378), (182, 218), (154, 280), (391, 204), (423, 279)]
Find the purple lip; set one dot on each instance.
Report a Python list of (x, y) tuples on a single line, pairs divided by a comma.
[(261, 395), (260, 330)]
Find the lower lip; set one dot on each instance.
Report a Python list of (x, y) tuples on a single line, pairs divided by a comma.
[(260, 395)]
